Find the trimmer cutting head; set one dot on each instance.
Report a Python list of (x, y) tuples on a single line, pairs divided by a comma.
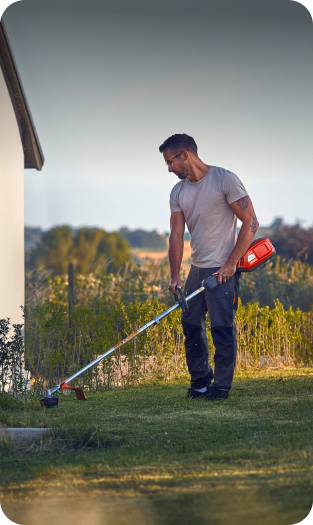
[(49, 401)]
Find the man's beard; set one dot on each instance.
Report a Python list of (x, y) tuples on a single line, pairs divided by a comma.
[(181, 176)]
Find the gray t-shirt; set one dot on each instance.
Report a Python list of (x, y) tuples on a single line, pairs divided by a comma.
[(209, 218)]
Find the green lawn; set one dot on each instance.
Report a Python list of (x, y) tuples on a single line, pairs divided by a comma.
[(149, 456)]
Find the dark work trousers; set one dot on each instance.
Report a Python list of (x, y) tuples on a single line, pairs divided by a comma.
[(221, 304)]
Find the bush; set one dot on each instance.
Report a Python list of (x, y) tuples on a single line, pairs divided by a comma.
[(290, 282), (12, 377), (293, 242), (55, 350)]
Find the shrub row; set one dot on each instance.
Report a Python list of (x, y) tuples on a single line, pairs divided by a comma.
[(57, 346)]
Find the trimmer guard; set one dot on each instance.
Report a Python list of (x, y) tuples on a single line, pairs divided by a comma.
[(80, 394)]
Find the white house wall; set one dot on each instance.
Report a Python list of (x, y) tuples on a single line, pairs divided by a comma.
[(11, 211)]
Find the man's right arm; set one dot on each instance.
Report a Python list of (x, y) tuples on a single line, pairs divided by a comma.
[(176, 248)]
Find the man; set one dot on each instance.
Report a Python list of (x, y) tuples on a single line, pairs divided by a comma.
[(209, 200)]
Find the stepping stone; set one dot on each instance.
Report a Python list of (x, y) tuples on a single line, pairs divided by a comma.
[(22, 436)]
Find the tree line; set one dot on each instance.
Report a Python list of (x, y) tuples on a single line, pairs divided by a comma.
[(94, 249), (89, 249), (294, 242)]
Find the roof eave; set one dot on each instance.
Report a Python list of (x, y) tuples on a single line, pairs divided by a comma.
[(33, 156)]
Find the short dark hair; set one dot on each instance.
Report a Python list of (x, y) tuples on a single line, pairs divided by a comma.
[(180, 141)]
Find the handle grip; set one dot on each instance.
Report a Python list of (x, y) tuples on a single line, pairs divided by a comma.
[(181, 300), (210, 282)]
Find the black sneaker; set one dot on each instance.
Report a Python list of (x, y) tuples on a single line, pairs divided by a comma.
[(193, 394), (214, 393), (192, 391)]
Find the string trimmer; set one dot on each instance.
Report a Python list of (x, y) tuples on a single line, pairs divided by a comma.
[(258, 253)]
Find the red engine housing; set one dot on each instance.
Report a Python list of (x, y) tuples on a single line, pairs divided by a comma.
[(258, 253)]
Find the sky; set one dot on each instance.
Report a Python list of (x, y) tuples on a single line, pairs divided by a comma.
[(107, 82)]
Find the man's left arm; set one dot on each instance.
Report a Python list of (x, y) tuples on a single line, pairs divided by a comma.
[(243, 209)]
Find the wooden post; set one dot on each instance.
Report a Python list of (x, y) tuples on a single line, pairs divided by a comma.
[(70, 289)]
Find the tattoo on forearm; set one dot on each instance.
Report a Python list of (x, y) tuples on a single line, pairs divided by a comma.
[(242, 203), (254, 225)]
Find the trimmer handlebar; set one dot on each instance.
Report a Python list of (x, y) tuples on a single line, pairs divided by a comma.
[(181, 300)]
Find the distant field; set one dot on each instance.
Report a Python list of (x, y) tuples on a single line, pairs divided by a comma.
[(157, 254)]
